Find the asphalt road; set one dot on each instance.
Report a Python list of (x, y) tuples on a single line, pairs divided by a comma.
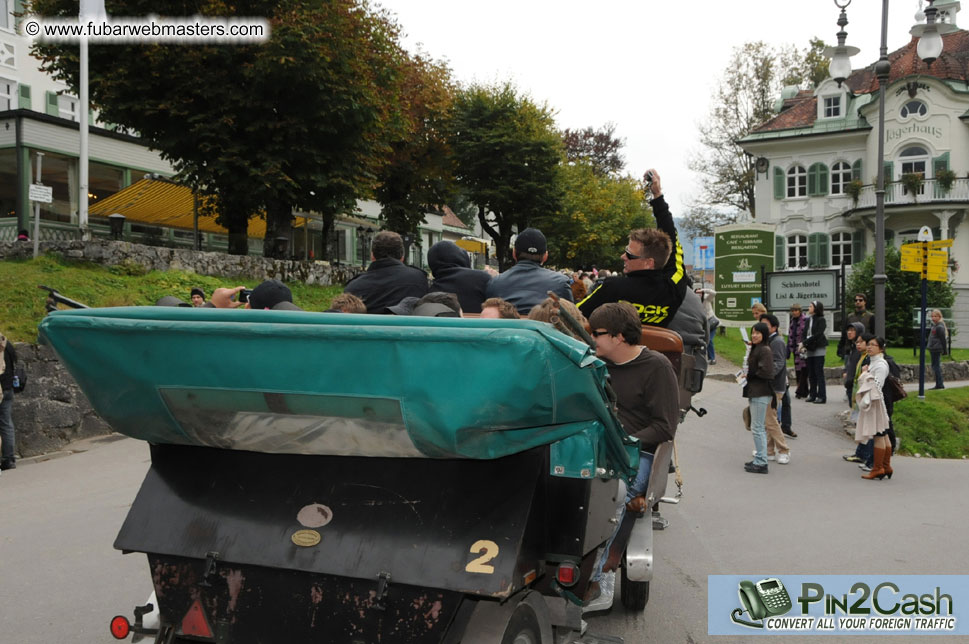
[(61, 580)]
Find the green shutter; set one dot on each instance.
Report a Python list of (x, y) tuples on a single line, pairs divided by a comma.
[(939, 164), (24, 97), (18, 9), (780, 251), (818, 180), (889, 179), (778, 183), (52, 108), (856, 171), (857, 246), (818, 250)]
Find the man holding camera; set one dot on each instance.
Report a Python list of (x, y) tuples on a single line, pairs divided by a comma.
[(654, 279)]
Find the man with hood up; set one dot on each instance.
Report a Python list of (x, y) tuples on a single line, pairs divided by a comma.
[(451, 268)]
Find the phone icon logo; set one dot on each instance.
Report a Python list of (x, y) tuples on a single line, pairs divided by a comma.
[(766, 598)]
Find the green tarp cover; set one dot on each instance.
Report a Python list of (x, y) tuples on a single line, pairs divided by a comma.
[(327, 383)]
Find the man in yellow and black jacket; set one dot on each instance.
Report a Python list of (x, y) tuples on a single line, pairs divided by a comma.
[(654, 279)]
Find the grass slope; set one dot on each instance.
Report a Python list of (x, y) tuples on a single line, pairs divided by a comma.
[(96, 285)]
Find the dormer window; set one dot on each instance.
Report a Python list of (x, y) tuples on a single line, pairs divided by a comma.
[(832, 107), (913, 108)]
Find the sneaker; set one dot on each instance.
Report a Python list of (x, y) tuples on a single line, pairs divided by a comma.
[(714, 361), (784, 459), (865, 467), (789, 432), (851, 458), (770, 457), (755, 469), (8, 464)]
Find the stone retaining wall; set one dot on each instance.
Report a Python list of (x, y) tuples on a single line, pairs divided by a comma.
[(51, 411), (113, 253)]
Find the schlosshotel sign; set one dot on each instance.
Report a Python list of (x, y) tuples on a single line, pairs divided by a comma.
[(785, 288)]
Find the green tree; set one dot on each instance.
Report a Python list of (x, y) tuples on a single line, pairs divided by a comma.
[(507, 157), (598, 211), (903, 293), (299, 121), (418, 173), (749, 85), (701, 220)]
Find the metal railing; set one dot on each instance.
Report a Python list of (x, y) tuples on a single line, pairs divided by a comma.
[(930, 192)]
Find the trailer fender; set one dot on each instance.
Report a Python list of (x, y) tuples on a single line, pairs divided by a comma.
[(639, 550), (490, 621)]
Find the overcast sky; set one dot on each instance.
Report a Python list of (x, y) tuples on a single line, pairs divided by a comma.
[(649, 67)]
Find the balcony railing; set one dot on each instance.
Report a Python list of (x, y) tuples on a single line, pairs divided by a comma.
[(931, 192)]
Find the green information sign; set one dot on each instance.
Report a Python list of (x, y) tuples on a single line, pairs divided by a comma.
[(742, 249)]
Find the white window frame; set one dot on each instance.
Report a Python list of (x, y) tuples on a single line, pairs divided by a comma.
[(840, 177), (797, 249), (67, 107), (797, 180), (912, 115), (831, 106), (6, 15), (914, 163), (841, 248), (9, 96)]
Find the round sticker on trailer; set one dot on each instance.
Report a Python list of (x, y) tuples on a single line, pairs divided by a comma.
[(314, 515), (306, 538)]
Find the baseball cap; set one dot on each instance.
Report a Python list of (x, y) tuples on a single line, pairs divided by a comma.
[(269, 294), (531, 240)]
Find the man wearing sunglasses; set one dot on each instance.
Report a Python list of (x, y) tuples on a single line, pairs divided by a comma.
[(654, 280), (862, 315)]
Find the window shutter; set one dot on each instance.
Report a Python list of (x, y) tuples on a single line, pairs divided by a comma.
[(889, 172), (778, 183), (813, 180), (24, 97), (813, 250), (857, 246), (52, 108), (780, 252), (823, 185), (940, 163), (856, 171), (824, 250)]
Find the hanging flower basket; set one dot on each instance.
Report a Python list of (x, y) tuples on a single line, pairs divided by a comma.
[(912, 182), (944, 179), (853, 190)]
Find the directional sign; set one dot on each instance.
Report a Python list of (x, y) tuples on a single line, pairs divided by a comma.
[(43, 194), (912, 257), (937, 259), (942, 243), (935, 275)]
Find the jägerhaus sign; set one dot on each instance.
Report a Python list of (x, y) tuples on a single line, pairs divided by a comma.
[(802, 287)]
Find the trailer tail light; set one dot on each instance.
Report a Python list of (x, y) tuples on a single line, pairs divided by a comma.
[(195, 623), (120, 627), (568, 573)]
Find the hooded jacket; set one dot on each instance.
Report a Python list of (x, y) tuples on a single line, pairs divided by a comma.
[(451, 268), (385, 283), (852, 357), (647, 397)]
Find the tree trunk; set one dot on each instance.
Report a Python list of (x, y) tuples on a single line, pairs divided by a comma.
[(279, 224), (501, 237)]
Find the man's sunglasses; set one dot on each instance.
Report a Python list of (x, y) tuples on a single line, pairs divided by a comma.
[(596, 334), (631, 256)]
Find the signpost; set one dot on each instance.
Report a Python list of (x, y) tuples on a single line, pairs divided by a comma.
[(39, 193), (931, 260), (744, 252)]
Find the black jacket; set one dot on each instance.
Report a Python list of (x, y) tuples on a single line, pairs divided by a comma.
[(10, 359), (452, 272), (656, 294), (817, 339), (526, 284), (386, 282)]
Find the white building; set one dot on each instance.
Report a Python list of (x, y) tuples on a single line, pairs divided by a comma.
[(816, 164)]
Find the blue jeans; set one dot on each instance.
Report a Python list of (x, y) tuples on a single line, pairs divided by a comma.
[(711, 354), (937, 367), (634, 489), (758, 412), (784, 410), (6, 424)]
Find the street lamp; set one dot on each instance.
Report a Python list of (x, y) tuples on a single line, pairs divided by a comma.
[(840, 69)]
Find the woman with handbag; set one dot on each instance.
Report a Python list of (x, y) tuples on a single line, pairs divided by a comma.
[(760, 393), (873, 418), (815, 345)]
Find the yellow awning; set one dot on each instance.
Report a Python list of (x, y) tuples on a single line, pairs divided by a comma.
[(163, 203)]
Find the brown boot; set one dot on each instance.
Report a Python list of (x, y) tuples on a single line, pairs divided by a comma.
[(877, 469), (887, 462)]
